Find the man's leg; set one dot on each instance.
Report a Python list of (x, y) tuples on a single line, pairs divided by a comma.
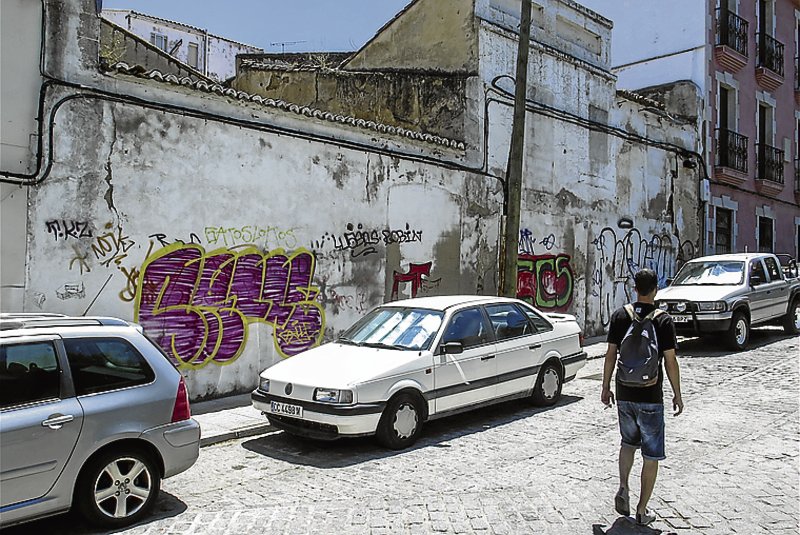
[(626, 456), (649, 473)]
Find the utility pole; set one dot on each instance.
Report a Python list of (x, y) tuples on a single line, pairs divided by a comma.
[(516, 155)]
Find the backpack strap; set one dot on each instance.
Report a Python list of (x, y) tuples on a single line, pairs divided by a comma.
[(632, 313), (654, 314)]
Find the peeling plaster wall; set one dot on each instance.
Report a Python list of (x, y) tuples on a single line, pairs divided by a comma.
[(19, 84), (127, 193), (430, 103), (579, 183)]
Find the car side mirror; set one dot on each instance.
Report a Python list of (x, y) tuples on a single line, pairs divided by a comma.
[(755, 280), (452, 348)]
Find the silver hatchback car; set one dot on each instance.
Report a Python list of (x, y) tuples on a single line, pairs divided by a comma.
[(92, 415)]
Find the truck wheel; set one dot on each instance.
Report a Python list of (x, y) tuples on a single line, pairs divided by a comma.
[(791, 321), (739, 332)]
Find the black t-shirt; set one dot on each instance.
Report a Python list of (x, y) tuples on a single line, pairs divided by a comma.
[(665, 333)]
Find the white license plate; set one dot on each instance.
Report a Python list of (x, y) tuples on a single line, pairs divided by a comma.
[(681, 319), (276, 407)]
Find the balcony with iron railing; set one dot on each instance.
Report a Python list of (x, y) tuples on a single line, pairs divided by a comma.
[(730, 165), (732, 40), (769, 172), (769, 62)]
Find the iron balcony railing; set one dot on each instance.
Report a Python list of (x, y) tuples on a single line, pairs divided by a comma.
[(732, 30), (731, 150), (770, 53), (770, 163)]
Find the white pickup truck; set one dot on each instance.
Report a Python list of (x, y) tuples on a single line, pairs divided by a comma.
[(725, 295)]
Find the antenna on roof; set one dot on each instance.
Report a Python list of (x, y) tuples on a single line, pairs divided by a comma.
[(284, 43)]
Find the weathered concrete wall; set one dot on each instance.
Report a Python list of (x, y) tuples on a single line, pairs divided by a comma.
[(20, 82), (595, 207), (434, 104), (430, 35), (259, 248)]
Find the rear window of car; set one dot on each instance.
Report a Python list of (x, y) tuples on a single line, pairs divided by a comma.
[(29, 373), (540, 325), (103, 364)]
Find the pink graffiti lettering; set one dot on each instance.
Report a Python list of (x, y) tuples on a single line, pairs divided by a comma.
[(198, 305)]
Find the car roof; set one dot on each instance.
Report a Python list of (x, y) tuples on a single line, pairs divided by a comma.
[(443, 302), (742, 257), (13, 323)]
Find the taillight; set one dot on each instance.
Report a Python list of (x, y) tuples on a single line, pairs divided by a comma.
[(181, 410), (580, 339)]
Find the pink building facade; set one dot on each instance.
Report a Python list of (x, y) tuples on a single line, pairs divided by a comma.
[(753, 121)]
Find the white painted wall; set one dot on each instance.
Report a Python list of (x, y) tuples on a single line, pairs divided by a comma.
[(19, 99), (579, 183)]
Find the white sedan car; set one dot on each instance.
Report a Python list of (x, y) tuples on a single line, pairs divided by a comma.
[(420, 359)]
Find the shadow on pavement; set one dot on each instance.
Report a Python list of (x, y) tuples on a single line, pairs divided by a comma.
[(626, 526), (71, 523), (713, 346), (350, 451)]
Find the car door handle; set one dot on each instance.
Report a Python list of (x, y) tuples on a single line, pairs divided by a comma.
[(535, 346), (55, 421), (490, 357)]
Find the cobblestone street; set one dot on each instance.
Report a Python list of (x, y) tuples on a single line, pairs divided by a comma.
[(732, 466)]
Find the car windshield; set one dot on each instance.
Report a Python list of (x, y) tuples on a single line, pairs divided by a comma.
[(720, 272), (395, 328)]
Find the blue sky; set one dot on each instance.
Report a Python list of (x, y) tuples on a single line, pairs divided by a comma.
[(322, 25)]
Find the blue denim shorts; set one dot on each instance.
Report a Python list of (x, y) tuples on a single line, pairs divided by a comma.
[(642, 426)]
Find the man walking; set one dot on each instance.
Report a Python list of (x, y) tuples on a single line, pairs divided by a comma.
[(639, 396)]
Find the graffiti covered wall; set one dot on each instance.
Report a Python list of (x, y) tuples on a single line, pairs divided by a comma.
[(270, 247)]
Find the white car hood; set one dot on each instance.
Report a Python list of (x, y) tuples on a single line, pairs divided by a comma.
[(696, 293), (335, 365)]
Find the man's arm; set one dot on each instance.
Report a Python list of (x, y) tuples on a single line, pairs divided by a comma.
[(674, 376), (608, 368)]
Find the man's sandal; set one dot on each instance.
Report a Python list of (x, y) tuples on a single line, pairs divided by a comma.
[(622, 503)]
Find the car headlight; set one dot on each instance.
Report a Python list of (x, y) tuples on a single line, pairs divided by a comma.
[(680, 307), (329, 395), (263, 385), (663, 305), (710, 306)]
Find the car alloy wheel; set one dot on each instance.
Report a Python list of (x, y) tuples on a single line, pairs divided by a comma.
[(117, 489), (123, 487)]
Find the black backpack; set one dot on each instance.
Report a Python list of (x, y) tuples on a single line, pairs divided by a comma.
[(639, 356)]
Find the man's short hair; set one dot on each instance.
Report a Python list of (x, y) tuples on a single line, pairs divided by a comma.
[(645, 281)]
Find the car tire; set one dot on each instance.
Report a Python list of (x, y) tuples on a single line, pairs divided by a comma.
[(117, 489), (400, 423), (739, 332), (791, 321), (547, 390)]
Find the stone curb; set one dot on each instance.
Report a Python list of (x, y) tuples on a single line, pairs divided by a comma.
[(242, 432)]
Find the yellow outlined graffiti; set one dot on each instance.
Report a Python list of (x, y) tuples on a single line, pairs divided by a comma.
[(198, 305)]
